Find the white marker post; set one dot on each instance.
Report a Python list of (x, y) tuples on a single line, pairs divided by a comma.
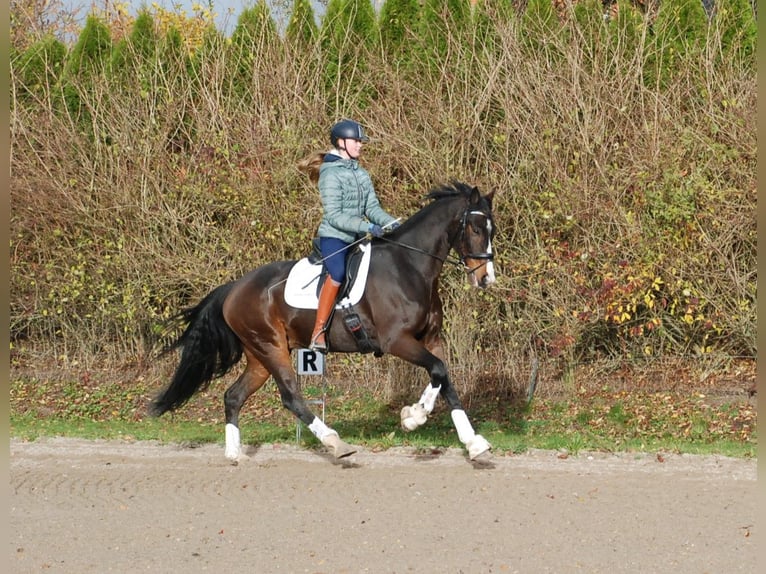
[(311, 363)]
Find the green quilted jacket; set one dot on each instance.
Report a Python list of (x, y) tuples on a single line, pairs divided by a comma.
[(348, 200)]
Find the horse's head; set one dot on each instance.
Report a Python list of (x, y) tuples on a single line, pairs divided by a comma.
[(474, 239)]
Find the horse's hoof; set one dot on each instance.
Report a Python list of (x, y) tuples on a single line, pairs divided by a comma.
[(483, 457), (344, 450), (479, 448), (413, 417), (340, 449)]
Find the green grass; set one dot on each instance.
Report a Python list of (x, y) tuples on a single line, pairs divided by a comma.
[(600, 422)]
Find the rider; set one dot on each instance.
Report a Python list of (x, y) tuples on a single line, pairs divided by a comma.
[(350, 209)]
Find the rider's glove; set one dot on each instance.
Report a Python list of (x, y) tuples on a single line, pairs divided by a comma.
[(375, 230)]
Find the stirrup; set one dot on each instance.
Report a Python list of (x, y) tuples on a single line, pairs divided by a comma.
[(320, 346)]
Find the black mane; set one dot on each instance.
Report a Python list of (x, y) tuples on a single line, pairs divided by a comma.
[(439, 197), (450, 189)]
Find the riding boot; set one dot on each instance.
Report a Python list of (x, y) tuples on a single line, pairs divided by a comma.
[(327, 298)]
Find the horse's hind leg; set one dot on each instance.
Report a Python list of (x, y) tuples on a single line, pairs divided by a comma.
[(252, 379), (292, 398)]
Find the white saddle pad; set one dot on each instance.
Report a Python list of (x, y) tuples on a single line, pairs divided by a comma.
[(301, 285)]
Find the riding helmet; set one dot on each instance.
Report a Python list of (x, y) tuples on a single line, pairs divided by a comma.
[(347, 129)]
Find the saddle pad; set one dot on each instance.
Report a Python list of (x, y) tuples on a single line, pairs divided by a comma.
[(301, 285)]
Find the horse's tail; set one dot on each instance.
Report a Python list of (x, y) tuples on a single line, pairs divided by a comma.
[(209, 350)]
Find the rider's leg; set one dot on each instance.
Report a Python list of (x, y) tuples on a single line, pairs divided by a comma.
[(334, 258), (326, 303)]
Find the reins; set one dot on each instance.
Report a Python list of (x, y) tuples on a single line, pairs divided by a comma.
[(350, 245), (486, 256), (346, 248), (448, 259)]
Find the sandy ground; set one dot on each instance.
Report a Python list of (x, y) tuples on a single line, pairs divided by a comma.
[(108, 506)]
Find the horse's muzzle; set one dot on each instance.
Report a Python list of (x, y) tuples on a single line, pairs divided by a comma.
[(487, 280), (480, 273)]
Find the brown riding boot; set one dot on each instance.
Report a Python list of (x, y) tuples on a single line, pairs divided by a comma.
[(327, 297)]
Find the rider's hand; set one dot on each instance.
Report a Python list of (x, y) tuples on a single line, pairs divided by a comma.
[(375, 230), (393, 226)]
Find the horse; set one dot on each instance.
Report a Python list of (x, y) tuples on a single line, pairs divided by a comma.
[(400, 312)]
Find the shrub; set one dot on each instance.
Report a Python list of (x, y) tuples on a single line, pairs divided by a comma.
[(625, 208)]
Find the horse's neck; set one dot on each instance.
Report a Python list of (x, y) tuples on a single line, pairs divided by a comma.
[(437, 245), (436, 241)]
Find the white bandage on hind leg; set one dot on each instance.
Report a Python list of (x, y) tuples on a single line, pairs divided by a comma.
[(429, 396), (320, 430), (464, 429), (232, 441)]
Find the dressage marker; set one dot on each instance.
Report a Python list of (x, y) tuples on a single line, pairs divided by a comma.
[(311, 363)]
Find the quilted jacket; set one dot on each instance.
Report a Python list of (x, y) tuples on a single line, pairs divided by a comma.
[(348, 200)]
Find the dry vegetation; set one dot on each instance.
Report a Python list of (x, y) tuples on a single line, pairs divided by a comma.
[(626, 193)]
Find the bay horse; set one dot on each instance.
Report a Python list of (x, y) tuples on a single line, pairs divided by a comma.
[(400, 310)]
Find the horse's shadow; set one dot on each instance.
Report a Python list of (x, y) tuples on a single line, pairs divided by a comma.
[(380, 425)]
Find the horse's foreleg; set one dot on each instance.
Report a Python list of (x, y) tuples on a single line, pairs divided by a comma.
[(248, 382), (476, 444), (416, 415)]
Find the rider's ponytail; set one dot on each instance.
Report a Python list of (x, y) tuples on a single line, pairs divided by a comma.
[(310, 165)]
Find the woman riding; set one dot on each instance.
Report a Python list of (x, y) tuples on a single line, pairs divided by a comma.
[(350, 210)]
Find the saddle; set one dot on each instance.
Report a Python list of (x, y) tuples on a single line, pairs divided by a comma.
[(305, 279), (353, 262), (304, 282)]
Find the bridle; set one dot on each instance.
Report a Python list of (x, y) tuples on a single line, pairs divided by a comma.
[(483, 257)]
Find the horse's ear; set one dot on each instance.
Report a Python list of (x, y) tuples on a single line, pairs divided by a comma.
[(489, 197), (475, 195)]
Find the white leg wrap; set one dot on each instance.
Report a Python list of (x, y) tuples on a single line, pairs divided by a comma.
[(429, 396), (475, 443), (413, 416), (321, 430), (464, 429), (417, 414), (232, 442)]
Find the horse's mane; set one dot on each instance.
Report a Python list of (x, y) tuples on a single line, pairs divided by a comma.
[(450, 189), (437, 196)]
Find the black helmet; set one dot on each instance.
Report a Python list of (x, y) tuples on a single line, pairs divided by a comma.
[(347, 129)]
